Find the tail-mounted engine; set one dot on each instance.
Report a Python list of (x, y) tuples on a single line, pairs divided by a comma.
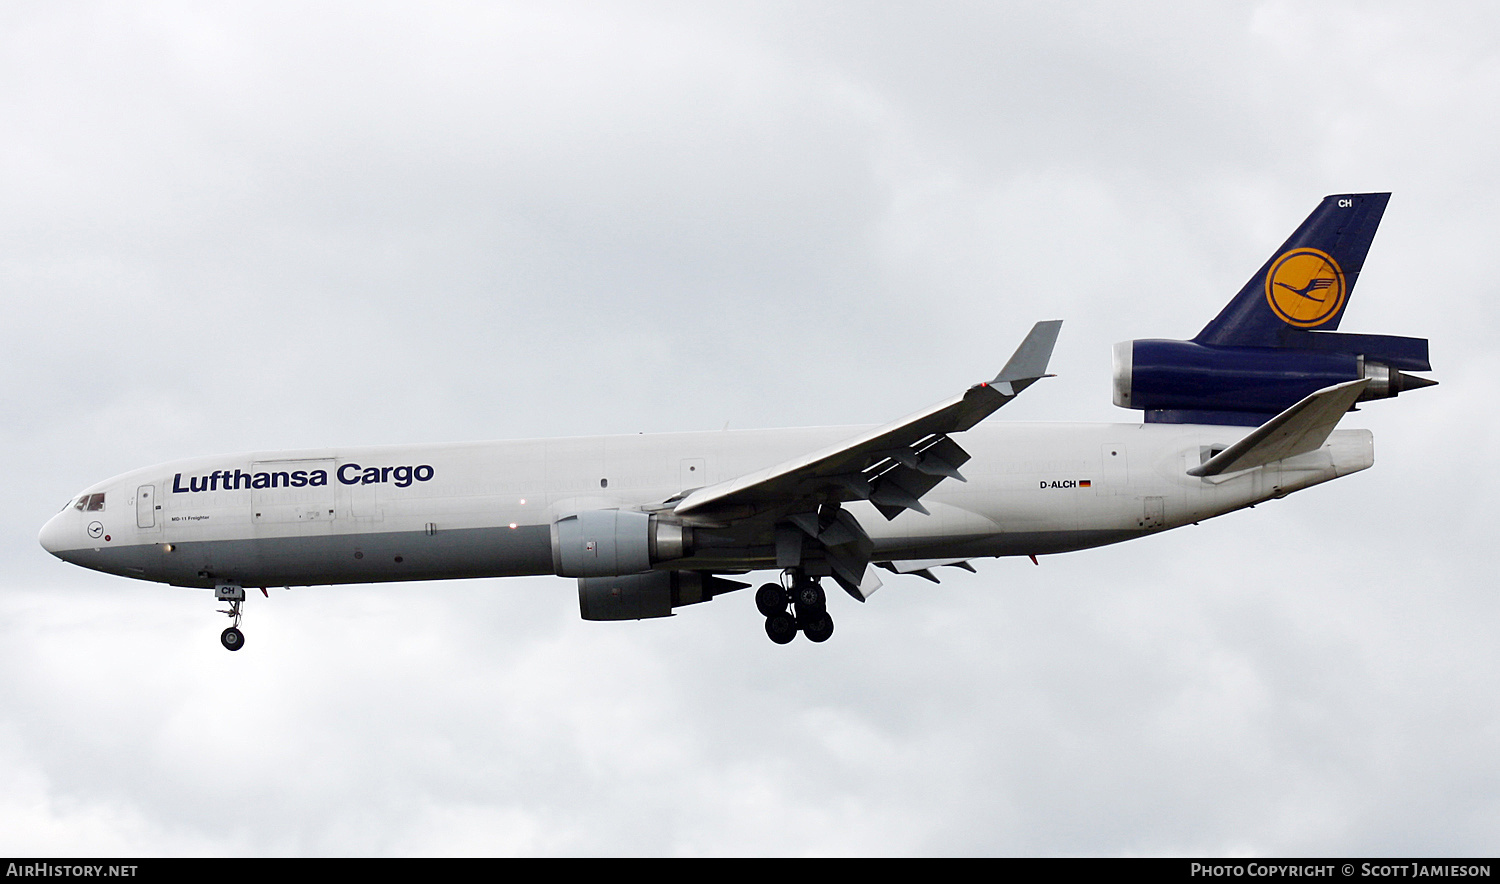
[(1276, 341), (1188, 382)]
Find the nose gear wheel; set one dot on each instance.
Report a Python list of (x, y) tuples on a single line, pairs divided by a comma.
[(232, 638)]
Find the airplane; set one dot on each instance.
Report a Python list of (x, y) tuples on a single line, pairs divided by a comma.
[(1243, 413)]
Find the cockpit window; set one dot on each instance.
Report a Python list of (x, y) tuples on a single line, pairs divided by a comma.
[(90, 503)]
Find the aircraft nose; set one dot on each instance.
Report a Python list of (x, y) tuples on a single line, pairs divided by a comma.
[(54, 534)]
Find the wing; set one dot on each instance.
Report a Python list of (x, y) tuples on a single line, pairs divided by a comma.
[(891, 466)]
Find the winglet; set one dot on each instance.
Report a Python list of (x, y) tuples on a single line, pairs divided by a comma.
[(1302, 428), (1029, 362)]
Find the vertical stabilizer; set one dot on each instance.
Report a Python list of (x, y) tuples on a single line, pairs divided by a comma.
[(1307, 282)]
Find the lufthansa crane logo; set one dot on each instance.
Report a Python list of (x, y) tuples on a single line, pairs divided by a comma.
[(1305, 287)]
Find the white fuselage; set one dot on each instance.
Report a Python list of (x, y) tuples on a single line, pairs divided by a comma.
[(356, 515)]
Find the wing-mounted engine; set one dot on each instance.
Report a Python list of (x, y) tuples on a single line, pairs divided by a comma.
[(1275, 343), (612, 553), (643, 596), (606, 543)]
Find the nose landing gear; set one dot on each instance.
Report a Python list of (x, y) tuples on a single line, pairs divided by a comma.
[(809, 605), (231, 638)]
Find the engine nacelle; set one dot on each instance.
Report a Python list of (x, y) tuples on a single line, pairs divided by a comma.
[(605, 543), (1182, 381), (652, 594)]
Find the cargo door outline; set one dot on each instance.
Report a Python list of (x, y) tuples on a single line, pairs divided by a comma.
[(282, 502)]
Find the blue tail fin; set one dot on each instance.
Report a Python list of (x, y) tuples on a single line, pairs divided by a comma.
[(1275, 344), (1307, 283)]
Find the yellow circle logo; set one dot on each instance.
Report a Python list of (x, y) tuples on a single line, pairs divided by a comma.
[(1306, 287)]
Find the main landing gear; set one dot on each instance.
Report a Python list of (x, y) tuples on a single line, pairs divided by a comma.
[(809, 608), (232, 638)]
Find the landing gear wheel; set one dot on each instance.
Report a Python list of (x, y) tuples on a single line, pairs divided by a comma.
[(781, 628), (810, 595), (770, 600), (819, 628), (234, 594)]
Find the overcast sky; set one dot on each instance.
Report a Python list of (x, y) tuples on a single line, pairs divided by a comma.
[(272, 225)]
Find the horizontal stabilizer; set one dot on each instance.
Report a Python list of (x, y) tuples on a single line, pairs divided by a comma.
[(1302, 428)]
